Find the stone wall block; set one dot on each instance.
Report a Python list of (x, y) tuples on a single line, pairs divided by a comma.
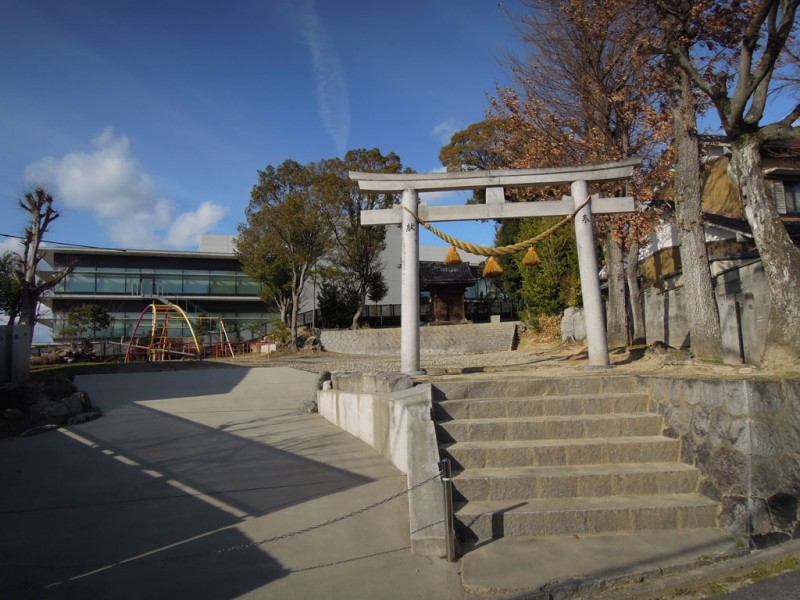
[(768, 476), (728, 469), (692, 391), (709, 394), (767, 398), (792, 398), (738, 435), (737, 398), (760, 519), (719, 432), (735, 516), (700, 421), (764, 438), (680, 417), (370, 383), (707, 488)]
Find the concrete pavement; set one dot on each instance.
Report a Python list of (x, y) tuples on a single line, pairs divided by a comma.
[(169, 493)]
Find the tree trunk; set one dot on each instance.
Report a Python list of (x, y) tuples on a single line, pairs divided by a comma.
[(362, 300), (780, 258), (703, 314), (27, 309), (635, 294), (616, 313)]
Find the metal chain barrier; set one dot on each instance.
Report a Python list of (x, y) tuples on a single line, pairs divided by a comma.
[(290, 534), (239, 547)]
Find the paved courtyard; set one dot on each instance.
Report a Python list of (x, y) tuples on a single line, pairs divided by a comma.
[(172, 492)]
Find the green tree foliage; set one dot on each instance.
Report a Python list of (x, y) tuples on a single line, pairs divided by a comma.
[(335, 305), (88, 318), (355, 257), (554, 284), (476, 149), (10, 290), (263, 259), (205, 325), (291, 219), (377, 288)]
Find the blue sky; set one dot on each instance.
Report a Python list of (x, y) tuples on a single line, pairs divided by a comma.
[(148, 120)]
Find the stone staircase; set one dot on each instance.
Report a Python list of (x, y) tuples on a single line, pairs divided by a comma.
[(545, 457)]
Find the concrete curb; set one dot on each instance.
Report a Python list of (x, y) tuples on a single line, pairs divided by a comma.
[(681, 581)]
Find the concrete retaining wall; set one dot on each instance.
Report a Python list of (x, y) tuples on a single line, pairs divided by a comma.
[(744, 436), (441, 339), (388, 413)]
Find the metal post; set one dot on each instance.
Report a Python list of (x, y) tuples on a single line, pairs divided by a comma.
[(593, 312), (409, 310), (447, 489)]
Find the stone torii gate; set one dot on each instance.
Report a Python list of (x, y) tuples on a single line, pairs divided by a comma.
[(496, 207)]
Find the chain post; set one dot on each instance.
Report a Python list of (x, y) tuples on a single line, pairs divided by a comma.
[(447, 490)]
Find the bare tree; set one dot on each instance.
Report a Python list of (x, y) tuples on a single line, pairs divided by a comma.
[(734, 61), (39, 205)]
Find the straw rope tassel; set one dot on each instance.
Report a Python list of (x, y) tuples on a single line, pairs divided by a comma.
[(500, 250), (452, 259), (492, 268)]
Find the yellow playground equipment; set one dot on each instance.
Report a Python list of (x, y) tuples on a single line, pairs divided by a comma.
[(162, 342)]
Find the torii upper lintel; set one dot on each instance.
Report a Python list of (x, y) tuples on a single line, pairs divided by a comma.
[(470, 180)]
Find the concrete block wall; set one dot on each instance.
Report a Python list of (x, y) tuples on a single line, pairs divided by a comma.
[(441, 339), (15, 361), (388, 413), (742, 299), (744, 436)]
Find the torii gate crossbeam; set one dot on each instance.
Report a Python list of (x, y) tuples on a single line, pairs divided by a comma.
[(494, 182)]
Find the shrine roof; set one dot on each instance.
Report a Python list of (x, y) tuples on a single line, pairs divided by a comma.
[(436, 273)]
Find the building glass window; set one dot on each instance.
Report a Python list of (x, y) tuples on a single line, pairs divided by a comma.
[(223, 283), (111, 281), (77, 282), (170, 284), (791, 193), (195, 284), (246, 286)]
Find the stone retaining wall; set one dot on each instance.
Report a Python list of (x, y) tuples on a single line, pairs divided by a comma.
[(441, 339), (744, 436)]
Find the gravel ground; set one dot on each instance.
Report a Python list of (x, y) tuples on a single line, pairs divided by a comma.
[(534, 359)]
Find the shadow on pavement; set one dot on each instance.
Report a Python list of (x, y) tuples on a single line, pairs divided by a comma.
[(158, 493)]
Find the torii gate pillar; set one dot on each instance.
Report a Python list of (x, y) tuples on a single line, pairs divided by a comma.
[(593, 312), (409, 309)]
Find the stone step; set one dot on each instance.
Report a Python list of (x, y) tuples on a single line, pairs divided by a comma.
[(510, 387), (586, 451), (552, 427), (524, 483), (539, 406), (490, 519)]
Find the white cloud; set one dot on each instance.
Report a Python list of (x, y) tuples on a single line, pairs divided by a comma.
[(189, 227), (123, 199), (10, 245), (444, 131), (332, 98)]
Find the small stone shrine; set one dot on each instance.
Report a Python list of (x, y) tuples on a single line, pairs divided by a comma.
[(446, 285)]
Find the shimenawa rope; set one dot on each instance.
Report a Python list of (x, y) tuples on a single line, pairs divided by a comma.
[(501, 250)]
